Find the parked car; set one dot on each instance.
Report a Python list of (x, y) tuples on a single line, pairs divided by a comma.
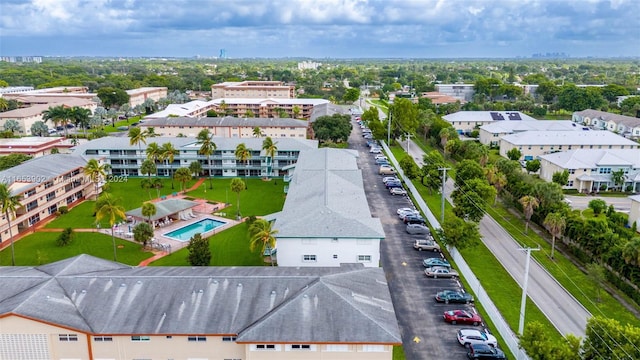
[(440, 272), (468, 337), (380, 156), (368, 136), (462, 317), (431, 262), (386, 179), (426, 244), (392, 184), (451, 296), (404, 210), (386, 170), (412, 218), (408, 213), (375, 150), (482, 351), (418, 229), (398, 191)]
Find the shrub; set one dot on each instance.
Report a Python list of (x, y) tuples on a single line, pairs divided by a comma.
[(63, 210), (65, 238)]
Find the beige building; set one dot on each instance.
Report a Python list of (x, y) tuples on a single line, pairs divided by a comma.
[(89, 308), (34, 145), (490, 134), (253, 89), (26, 117), (229, 127), (267, 108), (533, 144), (591, 170), (138, 96), (466, 121), (634, 212), (626, 126), (43, 185)]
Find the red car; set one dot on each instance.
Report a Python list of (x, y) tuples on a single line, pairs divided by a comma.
[(462, 317)]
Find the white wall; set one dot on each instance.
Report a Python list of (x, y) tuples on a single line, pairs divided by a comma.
[(292, 250)]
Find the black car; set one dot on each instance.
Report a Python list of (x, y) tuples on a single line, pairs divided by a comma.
[(483, 351), (451, 296), (414, 219)]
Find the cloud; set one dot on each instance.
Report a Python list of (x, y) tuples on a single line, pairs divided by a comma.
[(334, 28)]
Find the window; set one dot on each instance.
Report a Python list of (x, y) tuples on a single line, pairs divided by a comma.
[(335, 256), (29, 193), (337, 348), (140, 338), (364, 258), (68, 337), (32, 205), (229, 338), (102, 338), (308, 258), (265, 347), (604, 171), (197, 338), (51, 196), (48, 184), (300, 347), (572, 171)]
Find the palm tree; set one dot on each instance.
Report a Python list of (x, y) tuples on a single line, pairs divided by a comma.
[(137, 136), (243, 154), (196, 168), (270, 149), (150, 132), (183, 175), (109, 207), (154, 152), (4, 104), (146, 184), (631, 251), (148, 167), (555, 223), (499, 183), (484, 155), (207, 148), (237, 186), (296, 111), (262, 237), (80, 117), (57, 115), (95, 171), (157, 184), (148, 209), (9, 204), (529, 204), (249, 113), (168, 153), (257, 132)]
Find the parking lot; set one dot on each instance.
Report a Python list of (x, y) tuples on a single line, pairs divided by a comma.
[(425, 335)]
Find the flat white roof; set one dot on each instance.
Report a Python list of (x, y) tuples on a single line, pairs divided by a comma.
[(488, 116), (28, 141), (498, 127), (593, 158), (591, 137)]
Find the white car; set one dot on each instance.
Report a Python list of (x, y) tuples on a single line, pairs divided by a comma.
[(397, 191), (380, 156), (475, 336), (401, 210), (375, 150), (404, 214)]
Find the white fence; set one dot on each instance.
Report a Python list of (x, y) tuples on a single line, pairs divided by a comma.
[(501, 325)]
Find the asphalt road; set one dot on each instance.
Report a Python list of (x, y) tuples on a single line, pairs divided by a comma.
[(621, 204), (425, 335), (562, 309)]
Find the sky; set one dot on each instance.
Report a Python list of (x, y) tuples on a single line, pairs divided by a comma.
[(320, 28)]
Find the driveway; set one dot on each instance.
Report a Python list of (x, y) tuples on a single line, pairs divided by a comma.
[(621, 204), (424, 333)]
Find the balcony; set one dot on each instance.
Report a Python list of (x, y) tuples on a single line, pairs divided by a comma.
[(287, 178)]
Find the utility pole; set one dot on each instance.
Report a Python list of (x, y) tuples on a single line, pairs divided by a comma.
[(523, 302), (408, 142), (389, 129), (444, 180)]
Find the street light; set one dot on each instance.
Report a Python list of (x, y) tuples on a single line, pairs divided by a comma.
[(523, 302)]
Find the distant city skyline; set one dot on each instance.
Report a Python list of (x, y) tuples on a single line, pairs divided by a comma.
[(320, 29)]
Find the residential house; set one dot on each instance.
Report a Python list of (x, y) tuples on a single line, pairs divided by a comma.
[(89, 308), (229, 126), (490, 134), (533, 144), (326, 220), (626, 126), (590, 170), (43, 185), (466, 121), (125, 159)]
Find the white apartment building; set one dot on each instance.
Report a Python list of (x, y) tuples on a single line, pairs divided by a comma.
[(89, 308), (466, 121), (533, 144), (490, 134), (326, 220), (229, 127)]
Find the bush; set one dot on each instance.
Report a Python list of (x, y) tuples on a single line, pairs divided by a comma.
[(63, 210), (65, 238)]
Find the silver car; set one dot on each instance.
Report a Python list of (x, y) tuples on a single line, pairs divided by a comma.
[(418, 229)]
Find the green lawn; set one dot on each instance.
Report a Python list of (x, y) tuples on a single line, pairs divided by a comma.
[(40, 248), (228, 248), (80, 217), (398, 353)]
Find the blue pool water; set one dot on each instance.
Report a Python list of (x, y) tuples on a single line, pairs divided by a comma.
[(186, 232)]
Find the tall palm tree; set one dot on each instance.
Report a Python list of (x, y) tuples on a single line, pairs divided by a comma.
[(296, 111), (529, 204), (148, 167), (237, 186), (154, 152), (263, 237), (148, 209), (499, 183), (555, 223), (257, 132), (150, 132), (95, 171), (631, 251), (157, 184), (183, 175), (137, 136), (243, 154), (80, 117), (146, 184), (207, 148), (9, 204), (108, 207), (58, 115), (168, 153), (270, 149)]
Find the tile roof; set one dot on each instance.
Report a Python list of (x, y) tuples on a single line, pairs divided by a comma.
[(347, 304), (165, 208), (40, 108)]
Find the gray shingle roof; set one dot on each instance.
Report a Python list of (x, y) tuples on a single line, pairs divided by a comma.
[(41, 169), (606, 116), (326, 199), (592, 158), (317, 305), (224, 121), (165, 208)]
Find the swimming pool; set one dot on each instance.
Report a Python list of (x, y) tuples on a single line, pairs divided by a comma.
[(186, 232)]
